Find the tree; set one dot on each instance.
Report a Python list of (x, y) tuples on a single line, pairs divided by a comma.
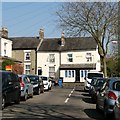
[(112, 66), (96, 19), (7, 62)]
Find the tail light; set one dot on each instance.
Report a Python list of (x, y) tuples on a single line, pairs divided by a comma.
[(112, 95), (21, 83)]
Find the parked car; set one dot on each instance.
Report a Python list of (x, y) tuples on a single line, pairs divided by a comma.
[(96, 87), (36, 81), (93, 82), (117, 109), (89, 77), (26, 87), (107, 96), (10, 87), (47, 83)]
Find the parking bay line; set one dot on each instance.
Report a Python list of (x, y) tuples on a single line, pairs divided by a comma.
[(69, 95)]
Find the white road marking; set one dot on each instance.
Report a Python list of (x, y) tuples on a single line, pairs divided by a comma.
[(69, 95), (66, 100)]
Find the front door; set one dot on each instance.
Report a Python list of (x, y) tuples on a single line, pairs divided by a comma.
[(77, 76)]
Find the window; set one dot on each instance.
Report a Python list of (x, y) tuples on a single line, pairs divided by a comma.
[(85, 73), (69, 73), (27, 56), (89, 57), (5, 47), (27, 69), (70, 57), (82, 73), (51, 58), (51, 71)]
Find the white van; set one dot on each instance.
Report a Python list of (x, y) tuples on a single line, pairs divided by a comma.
[(89, 77)]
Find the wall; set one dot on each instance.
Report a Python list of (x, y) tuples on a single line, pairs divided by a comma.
[(8, 47), (19, 55), (43, 62)]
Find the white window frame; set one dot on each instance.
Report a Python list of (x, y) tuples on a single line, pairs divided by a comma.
[(68, 57), (51, 58), (27, 69), (89, 57), (69, 73), (52, 71), (5, 48), (25, 53)]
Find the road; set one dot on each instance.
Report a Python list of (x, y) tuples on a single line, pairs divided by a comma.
[(57, 104)]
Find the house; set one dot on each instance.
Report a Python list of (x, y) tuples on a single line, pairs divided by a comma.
[(6, 52), (69, 58), (25, 50), (5, 44)]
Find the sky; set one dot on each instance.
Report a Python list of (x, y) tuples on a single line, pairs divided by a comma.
[(25, 19)]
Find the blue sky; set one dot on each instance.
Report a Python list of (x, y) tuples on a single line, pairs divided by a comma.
[(26, 18)]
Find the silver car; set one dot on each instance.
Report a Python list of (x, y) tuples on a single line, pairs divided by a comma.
[(107, 96), (26, 87), (117, 109)]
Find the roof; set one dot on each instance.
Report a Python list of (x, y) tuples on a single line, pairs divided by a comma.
[(20, 43), (75, 66), (81, 43)]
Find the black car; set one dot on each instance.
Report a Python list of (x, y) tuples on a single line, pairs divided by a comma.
[(10, 87), (38, 86), (97, 85)]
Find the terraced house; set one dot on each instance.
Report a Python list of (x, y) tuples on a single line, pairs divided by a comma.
[(69, 58), (25, 50)]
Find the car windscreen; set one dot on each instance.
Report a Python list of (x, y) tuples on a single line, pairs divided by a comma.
[(100, 82), (91, 75), (116, 86), (33, 78)]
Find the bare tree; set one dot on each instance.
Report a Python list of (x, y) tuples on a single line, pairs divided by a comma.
[(96, 19)]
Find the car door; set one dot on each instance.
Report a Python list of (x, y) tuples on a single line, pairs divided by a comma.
[(16, 86), (9, 88), (101, 95), (30, 86)]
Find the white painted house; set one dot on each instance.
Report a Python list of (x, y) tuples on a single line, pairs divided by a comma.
[(5, 44), (69, 58)]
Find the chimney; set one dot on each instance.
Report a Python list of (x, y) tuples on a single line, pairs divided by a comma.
[(41, 34), (4, 32), (62, 39)]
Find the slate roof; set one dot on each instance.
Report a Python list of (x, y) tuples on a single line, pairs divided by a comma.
[(81, 43), (20, 43)]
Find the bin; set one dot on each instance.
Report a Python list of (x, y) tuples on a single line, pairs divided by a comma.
[(60, 82)]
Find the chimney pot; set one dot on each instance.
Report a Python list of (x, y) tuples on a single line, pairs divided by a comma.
[(4, 32), (62, 39), (41, 34)]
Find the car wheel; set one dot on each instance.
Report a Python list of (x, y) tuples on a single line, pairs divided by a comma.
[(26, 96), (32, 95), (3, 102), (38, 91), (97, 107), (18, 100), (106, 115)]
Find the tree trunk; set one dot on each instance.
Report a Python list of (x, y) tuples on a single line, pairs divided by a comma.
[(104, 66)]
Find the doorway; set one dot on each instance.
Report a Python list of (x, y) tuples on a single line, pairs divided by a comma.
[(77, 75)]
